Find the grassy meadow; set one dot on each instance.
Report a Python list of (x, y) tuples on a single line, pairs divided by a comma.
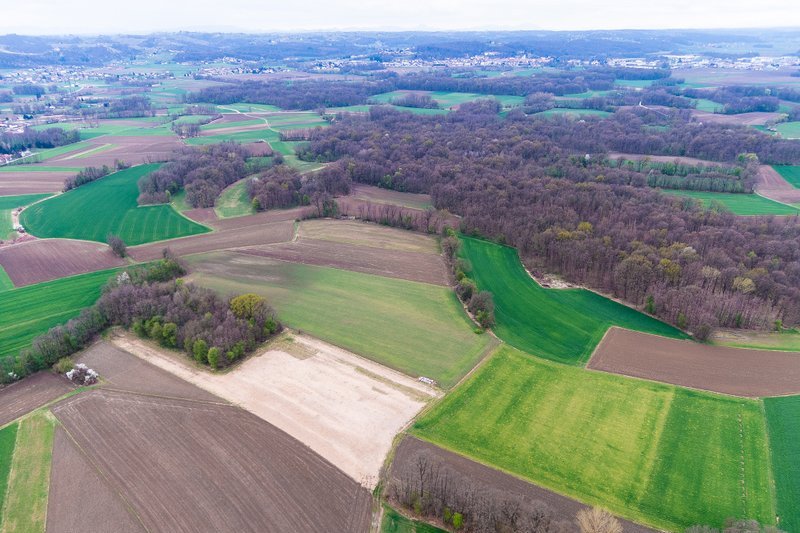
[(738, 204), (654, 453), (789, 130), (783, 422), (234, 201), (105, 206), (563, 325), (416, 328), (30, 311)]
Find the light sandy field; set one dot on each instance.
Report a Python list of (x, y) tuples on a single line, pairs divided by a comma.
[(344, 407)]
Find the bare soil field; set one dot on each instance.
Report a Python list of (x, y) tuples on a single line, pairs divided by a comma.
[(133, 150), (40, 260), (772, 185), (367, 234), (203, 215), (345, 408), (24, 396), (667, 159), (186, 466), (254, 235), (12, 183), (120, 370), (487, 479), (758, 118), (274, 215), (735, 371), (413, 266), (386, 196), (80, 499)]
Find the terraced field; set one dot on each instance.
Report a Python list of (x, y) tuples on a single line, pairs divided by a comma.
[(653, 453), (105, 206), (564, 325), (30, 311)]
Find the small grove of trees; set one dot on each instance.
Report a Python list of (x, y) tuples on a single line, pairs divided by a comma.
[(479, 303), (281, 186), (422, 101), (29, 89), (117, 245), (11, 143)]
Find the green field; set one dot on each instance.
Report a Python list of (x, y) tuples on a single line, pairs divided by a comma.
[(394, 522), (789, 130), (448, 100), (7, 205), (704, 104), (5, 281), (105, 206), (25, 507), (738, 204), (789, 173), (29, 311), (416, 328), (8, 439), (654, 453), (564, 325), (265, 134), (573, 113), (784, 341), (783, 422), (234, 201)]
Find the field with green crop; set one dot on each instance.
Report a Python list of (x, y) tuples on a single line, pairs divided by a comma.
[(417, 328), (8, 439), (783, 422), (7, 205), (25, 506), (394, 522), (790, 173), (5, 281), (234, 201), (30, 311), (105, 206), (738, 204), (249, 136), (654, 453), (704, 104), (789, 130), (564, 325)]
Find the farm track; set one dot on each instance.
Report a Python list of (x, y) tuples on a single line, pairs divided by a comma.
[(187, 466), (734, 371), (24, 396), (487, 479)]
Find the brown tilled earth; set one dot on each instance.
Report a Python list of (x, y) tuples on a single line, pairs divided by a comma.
[(773, 186), (133, 150), (488, 479), (12, 183), (218, 240), (386, 196), (735, 371), (187, 466), (43, 260), (413, 266), (80, 500), (203, 215), (24, 396), (758, 118)]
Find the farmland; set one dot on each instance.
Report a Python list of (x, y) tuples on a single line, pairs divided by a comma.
[(7, 205), (447, 100), (314, 299), (654, 453), (30, 311), (790, 174), (394, 522), (783, 422), (234, 201), (790, 130), (738, 204), (564, 325), (105, 206)]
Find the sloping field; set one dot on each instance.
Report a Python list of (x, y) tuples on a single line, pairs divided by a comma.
[(417, 328), (76, 485), (773, 185), (22, 397), (385, 196), (32, 182), (30, 311), (36, 261), (105, 206), (346, 408), (254, 235), (653, 453), (783, 422), (738, 204), (7, 205), (234, 201), (736, 371), (227, 469), (790, 173), (564, 325), (789, 130), (134, 148), (756, 118), (485, 478)]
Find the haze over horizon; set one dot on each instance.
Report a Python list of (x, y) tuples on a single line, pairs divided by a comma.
[(93, 17)]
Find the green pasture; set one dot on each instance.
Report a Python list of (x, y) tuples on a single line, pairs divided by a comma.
[(737, 203), (564, 325), (29, 311), (417, 328), (790, 173), (7, 205), (789, 130), (783, 422), (8, 440), (394, 522), (105, 206), (234, 201), (657, 454)]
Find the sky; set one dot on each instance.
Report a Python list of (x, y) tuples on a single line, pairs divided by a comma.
[(143, 16)]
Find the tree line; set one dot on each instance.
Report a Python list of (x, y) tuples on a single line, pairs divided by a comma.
[(12, 143), (522, 182)]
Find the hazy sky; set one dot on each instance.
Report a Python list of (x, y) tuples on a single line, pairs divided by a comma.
[(136, 16)]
